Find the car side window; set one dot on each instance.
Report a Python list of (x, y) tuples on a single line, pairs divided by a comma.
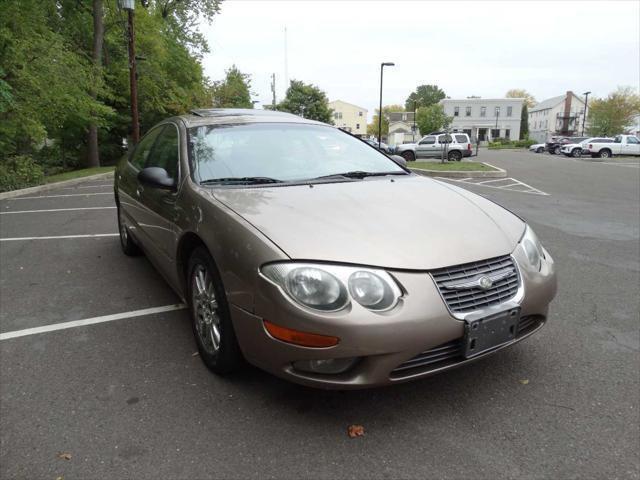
[(445, 139), (428, 141), (141, 153), (461, 139), (632, 140), (166, 150), (618, 139)]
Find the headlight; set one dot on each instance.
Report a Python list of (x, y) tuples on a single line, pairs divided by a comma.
[(533, 248), (322, 287)]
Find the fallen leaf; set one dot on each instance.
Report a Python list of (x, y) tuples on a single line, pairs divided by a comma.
[(60, 478), (355, 431), (524, 381), (195, 354), (64, 456)]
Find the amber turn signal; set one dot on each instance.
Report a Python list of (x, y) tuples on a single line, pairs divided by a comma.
[(300, 338)]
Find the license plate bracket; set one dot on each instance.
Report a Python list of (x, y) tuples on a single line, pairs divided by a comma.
[(486, 333)]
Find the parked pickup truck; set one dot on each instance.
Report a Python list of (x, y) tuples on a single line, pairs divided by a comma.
[(622, 145), (577, 149), (456, 145)]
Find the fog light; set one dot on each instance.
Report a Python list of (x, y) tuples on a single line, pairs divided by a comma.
[(327, 366)]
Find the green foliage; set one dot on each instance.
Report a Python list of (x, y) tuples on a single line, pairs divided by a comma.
[(614, 114), (529, 100), (19, 171), (432, 118), (524, 122), (424, 96), (233, 91), (506, 143), (308, 101), (372, 128)]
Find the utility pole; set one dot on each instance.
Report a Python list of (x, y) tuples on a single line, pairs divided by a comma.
[(273, 91), (382, 65), (414, 120), (129, 6), (584, 115)]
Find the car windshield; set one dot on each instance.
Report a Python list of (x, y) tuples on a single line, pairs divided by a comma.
[(281, 152)]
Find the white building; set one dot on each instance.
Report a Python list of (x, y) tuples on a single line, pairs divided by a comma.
[(401, 128), (562, 115), (485, 119), (349, 117)]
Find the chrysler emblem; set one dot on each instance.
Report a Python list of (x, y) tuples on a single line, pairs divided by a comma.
[(485, 283)]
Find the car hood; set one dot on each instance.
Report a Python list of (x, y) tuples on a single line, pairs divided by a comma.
[(404, 223)]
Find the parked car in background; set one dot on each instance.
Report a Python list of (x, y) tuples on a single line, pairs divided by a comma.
[(538, 148), (577, 149), (621, 145), (554, 146), (456, 146), (383, 147), (287, 254)]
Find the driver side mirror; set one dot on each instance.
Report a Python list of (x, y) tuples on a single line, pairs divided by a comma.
[(156, 177), (399, 160)]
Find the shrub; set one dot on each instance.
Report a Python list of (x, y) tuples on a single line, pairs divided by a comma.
[(20, 171)]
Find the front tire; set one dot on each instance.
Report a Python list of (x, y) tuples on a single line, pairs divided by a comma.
[(576, 152), (128, 245), (540, 150), (454, 156), (210, 315)]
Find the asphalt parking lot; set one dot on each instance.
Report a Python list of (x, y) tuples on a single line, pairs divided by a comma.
[(126, 398)]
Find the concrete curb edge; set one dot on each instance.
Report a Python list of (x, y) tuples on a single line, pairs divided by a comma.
[(51, 186)]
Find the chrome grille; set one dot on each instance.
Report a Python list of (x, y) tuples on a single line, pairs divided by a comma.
[(467, 297)]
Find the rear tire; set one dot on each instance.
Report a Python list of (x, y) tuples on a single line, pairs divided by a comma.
[(454, 156), (210, 316), (409, 156), (604, 153), (127, 243)]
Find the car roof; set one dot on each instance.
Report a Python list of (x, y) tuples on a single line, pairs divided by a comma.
[(235, 116)]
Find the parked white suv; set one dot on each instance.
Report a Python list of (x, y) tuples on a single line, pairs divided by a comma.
[(621, 145), (456, 145), (577, 149)]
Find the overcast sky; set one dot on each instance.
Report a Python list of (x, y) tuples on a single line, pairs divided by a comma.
[(467, 48)]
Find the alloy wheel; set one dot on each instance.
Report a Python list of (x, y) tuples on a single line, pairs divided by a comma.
[(205, 309)]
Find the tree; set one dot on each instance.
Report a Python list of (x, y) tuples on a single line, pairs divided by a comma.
[(424, 96), (98, 39), (372, 128), (524, 122), (306, 100), (529, 100), (614, 114), (233, 91), (432, 118)]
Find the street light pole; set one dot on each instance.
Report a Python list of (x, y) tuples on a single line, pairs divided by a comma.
[(382, 65), (129, 6), (584, 115), (414, 121)]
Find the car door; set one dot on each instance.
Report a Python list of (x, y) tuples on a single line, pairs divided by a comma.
[(159, 204), (129, 192), (631, 146), (443, 145), (426, 147)]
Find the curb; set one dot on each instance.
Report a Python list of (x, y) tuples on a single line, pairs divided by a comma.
[(51, 186), (498, 173)]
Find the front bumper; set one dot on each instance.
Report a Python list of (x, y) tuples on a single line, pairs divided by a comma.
[(384, 342)]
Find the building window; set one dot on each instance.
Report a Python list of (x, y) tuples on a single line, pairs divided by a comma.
[(495, 133), (546, 122), (359, 114), (467, 112), (483, 111), (456, 111), (337, 115), (497, 111), (404, 117), (509, 112), (357, 126), (507, 132)]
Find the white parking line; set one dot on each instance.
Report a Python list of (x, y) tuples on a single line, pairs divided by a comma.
[(514, 186), (91, 321), (97, 235), (57, 210), (64, 195), (89, 186)]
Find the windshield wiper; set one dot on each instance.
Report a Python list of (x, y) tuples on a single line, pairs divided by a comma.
[(360, 174), (240, 180)]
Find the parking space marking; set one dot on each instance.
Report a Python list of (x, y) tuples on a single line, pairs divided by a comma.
[(622, 164), (515, 185), (89, 186), (91, 321), (63, 195), (96, 235), (57, 210)]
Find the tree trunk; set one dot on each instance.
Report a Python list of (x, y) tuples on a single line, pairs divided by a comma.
[(98, 39)]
